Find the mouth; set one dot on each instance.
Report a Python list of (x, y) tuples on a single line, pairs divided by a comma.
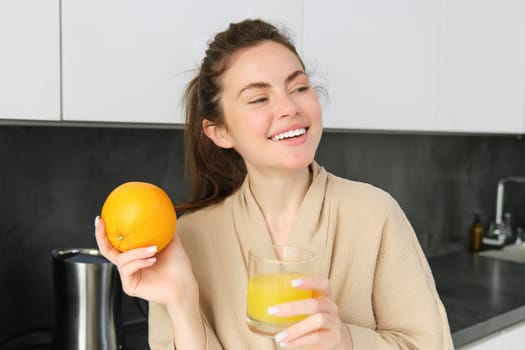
[(289, 134)]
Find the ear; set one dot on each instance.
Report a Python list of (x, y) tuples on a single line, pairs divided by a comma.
[(218, 134)]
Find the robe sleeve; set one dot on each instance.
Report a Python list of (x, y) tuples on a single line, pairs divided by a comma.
[(408, 311), (160, 331)]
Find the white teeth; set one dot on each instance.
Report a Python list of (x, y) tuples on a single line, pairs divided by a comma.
[(288, 134)]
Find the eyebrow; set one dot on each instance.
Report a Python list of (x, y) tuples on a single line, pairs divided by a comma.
[(263, 85)]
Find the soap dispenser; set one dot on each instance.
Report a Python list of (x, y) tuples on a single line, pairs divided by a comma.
[(507, 228), (476, 234)]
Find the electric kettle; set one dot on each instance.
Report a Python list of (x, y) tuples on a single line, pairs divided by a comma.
[(87, 301)]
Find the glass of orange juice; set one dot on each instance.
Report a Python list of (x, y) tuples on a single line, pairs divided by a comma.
[(270, 276)]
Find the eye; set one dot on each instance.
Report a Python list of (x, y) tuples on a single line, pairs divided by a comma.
[(301, 88), (258, 100)]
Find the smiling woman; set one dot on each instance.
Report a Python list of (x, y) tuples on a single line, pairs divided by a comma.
[(253, 125), (265, 96)]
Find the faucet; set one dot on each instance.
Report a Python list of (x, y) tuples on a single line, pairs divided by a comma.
[(498, 234), (499, 196)]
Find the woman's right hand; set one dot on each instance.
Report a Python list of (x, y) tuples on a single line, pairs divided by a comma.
[(164, 277)]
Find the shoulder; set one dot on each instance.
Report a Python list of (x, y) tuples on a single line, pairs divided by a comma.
[(365, 203), (204, 224), (195, 221), (198, 215), (358, 193)]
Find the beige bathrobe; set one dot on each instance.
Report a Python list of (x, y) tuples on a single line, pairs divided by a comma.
[(364, 244)]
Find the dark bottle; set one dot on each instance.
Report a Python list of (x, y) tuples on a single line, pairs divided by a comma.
[(476, 234)]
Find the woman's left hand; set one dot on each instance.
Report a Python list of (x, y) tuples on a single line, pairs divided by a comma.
[(322, 329)]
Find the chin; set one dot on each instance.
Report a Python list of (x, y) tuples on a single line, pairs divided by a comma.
[(299, 162)]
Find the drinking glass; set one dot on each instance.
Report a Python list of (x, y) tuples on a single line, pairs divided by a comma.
[(271, 272)]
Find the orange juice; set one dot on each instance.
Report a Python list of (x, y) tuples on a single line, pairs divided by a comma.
[(269, 290)]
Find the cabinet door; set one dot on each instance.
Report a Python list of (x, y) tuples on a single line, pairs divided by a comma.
[(377, 59), (129, 61), (482, 80), (29, 59), (492, 342), (514, 337), (507, 339)]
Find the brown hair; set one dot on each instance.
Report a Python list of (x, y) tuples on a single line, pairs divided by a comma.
[(212, 172)]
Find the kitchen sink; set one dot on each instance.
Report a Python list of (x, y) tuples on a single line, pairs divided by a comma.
[(514, 253)]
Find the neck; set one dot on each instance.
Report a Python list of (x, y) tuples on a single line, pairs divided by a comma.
[(279, 197)]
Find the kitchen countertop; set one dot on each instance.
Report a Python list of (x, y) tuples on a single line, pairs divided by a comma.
[(481, 295)]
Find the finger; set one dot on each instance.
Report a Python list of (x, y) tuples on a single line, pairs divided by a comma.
[(319, 284), (312, 330), (128, 270), (136, 254), (304, 307), (105, 248)]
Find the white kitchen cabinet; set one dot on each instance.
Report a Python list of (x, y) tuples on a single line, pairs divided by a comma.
[(511, 338), (482, 66), (129, 61), (514, 337), (410, 65), (29, 59), (431, 65), (378, 61), (494, 342)]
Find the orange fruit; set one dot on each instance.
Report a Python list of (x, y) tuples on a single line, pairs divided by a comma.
[(139, 214)]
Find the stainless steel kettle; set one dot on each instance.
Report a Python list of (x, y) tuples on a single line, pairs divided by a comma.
[(87, 301)]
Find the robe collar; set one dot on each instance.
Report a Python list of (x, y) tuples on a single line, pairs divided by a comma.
[(310, 231)]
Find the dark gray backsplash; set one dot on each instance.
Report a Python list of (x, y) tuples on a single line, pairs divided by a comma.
[(53, 181)]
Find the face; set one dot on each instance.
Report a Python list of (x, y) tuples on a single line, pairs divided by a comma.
[(272, 113)]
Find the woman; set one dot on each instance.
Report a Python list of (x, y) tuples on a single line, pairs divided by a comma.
[(253, 127)]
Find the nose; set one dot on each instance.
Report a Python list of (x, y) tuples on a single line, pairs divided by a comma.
[(286, 106)]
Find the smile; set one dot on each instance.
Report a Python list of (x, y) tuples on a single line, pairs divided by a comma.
[(289, 134)]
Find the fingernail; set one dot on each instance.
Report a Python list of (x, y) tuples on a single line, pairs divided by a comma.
[(272, 310), (151, 260), (279, 337), (297, 282), (151, 249), (96, 220)]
